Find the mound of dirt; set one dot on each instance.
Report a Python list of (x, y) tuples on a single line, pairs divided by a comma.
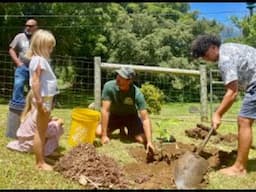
[(201, 131), (228, 138), (218, 159), (93, 170)]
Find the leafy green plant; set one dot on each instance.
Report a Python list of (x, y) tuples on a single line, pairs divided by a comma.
[(163, 133), (153, 96)]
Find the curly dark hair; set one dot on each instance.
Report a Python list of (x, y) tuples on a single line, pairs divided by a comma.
[(202, 43)]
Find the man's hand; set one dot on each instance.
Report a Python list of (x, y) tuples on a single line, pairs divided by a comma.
[(15, 57), (216, 120), (150, 149), (104, 140), (20, 64)]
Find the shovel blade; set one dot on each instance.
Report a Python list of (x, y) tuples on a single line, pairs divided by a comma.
[(189, 171)]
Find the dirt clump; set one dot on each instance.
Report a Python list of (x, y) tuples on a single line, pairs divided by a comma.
[(170, 153), (201, 131), (218, 159), (228, 138), (90, 168)]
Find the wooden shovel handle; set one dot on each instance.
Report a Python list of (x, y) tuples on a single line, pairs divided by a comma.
[(201, 147)]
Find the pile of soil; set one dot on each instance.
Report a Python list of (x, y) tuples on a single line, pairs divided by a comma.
[(201, 131), (91, 169)]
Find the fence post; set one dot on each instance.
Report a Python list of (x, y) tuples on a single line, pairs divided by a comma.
[(211, 92), (97, 82), (203, 93)]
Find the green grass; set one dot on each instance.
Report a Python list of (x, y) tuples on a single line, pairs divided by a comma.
[(17, 170)]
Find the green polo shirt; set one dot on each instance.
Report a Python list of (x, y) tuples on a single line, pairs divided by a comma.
[(123, 103)]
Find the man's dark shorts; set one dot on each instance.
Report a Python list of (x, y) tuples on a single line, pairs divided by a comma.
[(131, 122), (248, 108)]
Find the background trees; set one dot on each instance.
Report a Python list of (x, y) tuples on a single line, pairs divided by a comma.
[(156, 34), (153, 33)]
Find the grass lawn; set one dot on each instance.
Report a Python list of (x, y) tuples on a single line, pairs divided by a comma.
[(17, 169)]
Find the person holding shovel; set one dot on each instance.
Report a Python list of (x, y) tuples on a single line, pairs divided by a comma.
[(121, 102), (237, 65)]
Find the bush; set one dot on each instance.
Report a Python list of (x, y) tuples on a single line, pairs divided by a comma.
[(153, 96)]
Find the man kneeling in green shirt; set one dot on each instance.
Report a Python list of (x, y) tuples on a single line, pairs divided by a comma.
[(121, 101)]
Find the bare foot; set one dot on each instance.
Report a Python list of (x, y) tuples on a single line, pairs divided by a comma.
[(233, 171), (44, 166)]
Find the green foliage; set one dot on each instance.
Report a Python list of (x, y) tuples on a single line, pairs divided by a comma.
[(154, 97), (65, 71), (247, 26), (249, 32), (154, 31), (155, 34), (163, 133)]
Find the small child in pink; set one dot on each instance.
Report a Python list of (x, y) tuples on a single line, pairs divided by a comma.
[(26, 131)]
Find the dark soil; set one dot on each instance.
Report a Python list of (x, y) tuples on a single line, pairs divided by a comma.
[(201, 131), (98, 171), (158, 173)]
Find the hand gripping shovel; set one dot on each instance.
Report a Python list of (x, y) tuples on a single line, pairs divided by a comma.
[(191, 167)]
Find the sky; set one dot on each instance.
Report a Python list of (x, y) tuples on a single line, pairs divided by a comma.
[(221, 11)]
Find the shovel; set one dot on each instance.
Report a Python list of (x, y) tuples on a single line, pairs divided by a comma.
[(191, 167)]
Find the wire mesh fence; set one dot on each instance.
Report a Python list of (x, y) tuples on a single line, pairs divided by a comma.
[(76, 81), (74, 74), (76, 84), (216, 93)]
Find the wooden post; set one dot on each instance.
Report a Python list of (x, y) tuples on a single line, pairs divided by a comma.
[(97, 82), (203, 93), (211, 93)]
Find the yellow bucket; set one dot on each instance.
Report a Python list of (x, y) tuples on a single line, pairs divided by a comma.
[(83, 126)]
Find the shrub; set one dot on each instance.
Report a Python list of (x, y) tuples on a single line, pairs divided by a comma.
[(153, 96)]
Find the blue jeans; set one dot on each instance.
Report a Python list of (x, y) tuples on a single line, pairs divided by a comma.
[(21, 77)]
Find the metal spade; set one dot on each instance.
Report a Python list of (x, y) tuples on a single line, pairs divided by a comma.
[(191, 167)]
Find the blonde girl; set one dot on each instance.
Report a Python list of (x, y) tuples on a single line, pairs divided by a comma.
[(43, 83)]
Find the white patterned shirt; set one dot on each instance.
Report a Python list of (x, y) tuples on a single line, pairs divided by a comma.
[(237, 62)]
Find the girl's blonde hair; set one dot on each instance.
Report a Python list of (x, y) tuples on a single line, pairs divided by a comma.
[(28, 105), (41, 41)]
